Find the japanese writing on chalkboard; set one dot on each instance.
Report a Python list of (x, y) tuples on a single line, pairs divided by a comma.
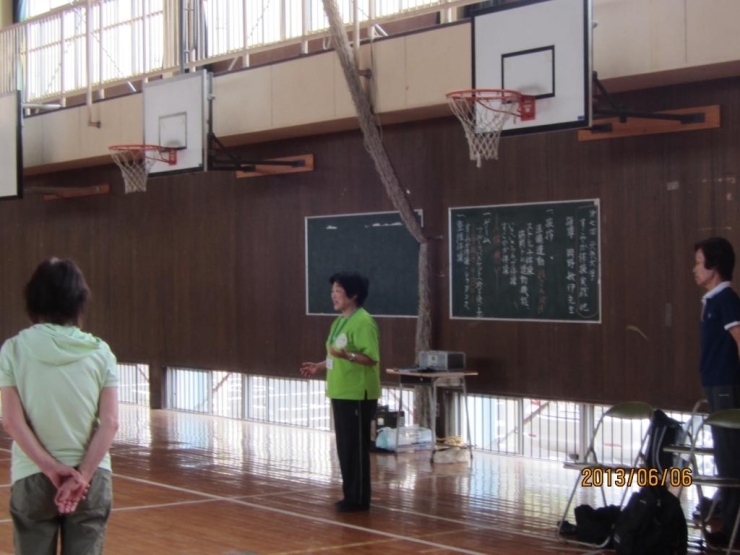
[(526, 261)]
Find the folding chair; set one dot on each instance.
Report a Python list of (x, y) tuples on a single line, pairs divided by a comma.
[(728, 419), (688, 450), (595, 459)]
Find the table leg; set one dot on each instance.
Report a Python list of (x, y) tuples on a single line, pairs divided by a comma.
[(469, 439), (433, 417), (400, 409)]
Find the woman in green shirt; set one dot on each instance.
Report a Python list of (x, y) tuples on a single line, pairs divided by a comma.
[(352, 384)]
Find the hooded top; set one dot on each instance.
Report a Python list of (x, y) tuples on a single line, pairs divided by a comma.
[(59, 372)]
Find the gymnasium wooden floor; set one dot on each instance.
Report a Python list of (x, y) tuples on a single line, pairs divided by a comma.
[(192, 484)]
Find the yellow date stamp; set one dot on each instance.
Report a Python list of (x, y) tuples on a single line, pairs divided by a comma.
[(640, 477)]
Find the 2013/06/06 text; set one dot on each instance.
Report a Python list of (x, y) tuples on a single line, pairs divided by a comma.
[(620, 477)]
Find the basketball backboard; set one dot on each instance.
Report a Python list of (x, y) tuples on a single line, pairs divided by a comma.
[(540, 48), (175, 117), (11, 158)]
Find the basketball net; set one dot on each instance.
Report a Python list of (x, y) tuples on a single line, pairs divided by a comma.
[(135, 162), (484, 113)]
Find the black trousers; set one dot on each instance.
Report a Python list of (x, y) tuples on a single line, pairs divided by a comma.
[(352, 426), (726, 451)]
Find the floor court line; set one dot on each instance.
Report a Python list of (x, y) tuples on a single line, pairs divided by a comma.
[(274, 494), (305, 517), (496, 528), (197, 501), (162, 505), (476, 526), (335, 547), (241, 501), (479, 526)]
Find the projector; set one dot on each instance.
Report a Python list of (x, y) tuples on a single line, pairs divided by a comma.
[(442, 360)]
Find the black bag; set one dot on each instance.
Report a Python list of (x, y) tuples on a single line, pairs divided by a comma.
[(652, 523), (595, 525), (664, 430)]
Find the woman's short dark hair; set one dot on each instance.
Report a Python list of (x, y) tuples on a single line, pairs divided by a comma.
[(354, 284), (718, 256), (56, 293)]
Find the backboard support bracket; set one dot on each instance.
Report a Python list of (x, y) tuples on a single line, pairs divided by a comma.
[(261, 169), (220, 158), (620, 112)]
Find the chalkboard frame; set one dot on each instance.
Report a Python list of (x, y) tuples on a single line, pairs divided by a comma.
[(419, 213), (450, 238)]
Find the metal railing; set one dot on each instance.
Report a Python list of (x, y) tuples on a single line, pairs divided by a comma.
[(534, 428), (292, 402), (133, 384), (95, 44), (10, 57)]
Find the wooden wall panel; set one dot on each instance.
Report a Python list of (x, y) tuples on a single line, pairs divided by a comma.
[(207, 271)]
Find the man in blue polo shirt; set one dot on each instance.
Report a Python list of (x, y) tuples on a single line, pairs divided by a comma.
[(720, 364)]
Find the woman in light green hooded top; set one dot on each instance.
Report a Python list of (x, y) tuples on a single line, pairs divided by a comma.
[(59, 390)]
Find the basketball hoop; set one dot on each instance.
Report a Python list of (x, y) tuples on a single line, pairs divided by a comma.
[(135, 162), (484, 112)]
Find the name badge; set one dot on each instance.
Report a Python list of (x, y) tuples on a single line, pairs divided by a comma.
[(341, 341), (329, 363)]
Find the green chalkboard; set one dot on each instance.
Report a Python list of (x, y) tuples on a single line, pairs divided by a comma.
[(536, 261), (374, 244)]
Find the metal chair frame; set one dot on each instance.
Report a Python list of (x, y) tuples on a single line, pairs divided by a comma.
[(627, 411), (688, 450), (728, 419)]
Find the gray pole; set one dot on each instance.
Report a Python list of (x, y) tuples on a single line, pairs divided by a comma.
[(183, 50)]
